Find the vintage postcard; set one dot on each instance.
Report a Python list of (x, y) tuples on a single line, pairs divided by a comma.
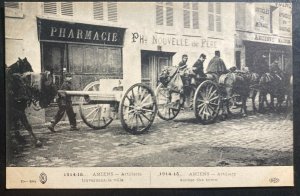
[(148, 94)]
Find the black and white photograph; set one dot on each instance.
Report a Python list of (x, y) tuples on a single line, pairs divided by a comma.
[(149, 85)]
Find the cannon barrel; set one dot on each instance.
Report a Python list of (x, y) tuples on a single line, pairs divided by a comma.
[(92, 95)]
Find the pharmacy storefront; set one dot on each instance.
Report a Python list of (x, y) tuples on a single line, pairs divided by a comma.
[(88, 52)]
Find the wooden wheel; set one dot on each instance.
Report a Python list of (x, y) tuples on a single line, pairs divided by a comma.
[(168, 109), (96, 116), (207, 102), (137, 109)]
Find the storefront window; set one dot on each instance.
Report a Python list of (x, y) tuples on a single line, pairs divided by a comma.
[(83, 61)]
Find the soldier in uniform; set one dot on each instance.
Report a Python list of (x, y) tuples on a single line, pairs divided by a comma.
[(64, 105), (216, 65), (198, 67)]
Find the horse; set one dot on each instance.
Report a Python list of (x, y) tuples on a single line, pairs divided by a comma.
[(235, 84), (21, 94), (274, 84)]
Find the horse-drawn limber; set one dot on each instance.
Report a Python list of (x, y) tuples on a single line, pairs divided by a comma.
[(209, 95)]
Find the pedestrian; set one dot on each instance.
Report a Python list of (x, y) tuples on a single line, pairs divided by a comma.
[(65, 105), (216, 64)]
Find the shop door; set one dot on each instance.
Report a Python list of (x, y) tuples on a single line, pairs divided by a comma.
[(152, 65), (54, 57)]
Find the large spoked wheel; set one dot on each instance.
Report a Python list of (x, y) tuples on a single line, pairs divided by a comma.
[(96, 116), (137, 109), (207, 102), (167, 110)]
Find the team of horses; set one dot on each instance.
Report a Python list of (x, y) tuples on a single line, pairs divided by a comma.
[(25, 88), (268, 87)]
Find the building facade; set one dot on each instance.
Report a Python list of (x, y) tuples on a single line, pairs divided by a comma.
[(125, 41), (263, 29)]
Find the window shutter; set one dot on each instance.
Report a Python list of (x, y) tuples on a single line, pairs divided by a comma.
[(112, 9), (218, 23), (195, 16), (159, 15), (211, 22), (67, 8), (195, 20), (98, 10), (218, 17), (218, 8), (186, 15), (186, 18), (169, 16), (50, 8), (14, 5)]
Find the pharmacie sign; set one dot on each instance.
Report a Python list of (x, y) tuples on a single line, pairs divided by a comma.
[(50, 30)]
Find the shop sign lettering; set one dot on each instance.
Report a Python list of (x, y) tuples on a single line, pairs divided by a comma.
[(179, 41), (70, 32), (262, 18), (264, 38), (271, 39), (285, 22), (284, 5)]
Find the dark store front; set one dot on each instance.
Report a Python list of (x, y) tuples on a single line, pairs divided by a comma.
[(255, 50), (88, 52)]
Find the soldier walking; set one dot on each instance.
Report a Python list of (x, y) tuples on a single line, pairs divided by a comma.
[(65, 105)]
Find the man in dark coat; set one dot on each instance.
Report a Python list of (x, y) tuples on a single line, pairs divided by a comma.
[(216, 65), (65, 105), (198, 66)]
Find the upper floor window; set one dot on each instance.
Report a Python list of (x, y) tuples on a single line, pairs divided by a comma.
[(164, 13), (191, 15), (60, 8), (214, 17), (100, 8)]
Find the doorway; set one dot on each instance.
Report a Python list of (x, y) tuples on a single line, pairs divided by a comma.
[(152, 63)]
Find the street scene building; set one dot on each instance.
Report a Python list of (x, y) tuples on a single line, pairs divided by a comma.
[(263, 29), (107, 45)]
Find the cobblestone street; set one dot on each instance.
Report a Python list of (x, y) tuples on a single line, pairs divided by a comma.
[(259, 139)]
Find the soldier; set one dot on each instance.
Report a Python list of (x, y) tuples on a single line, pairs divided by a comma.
[(65, 105), (216, 65), (198, 66), (182, 64)]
